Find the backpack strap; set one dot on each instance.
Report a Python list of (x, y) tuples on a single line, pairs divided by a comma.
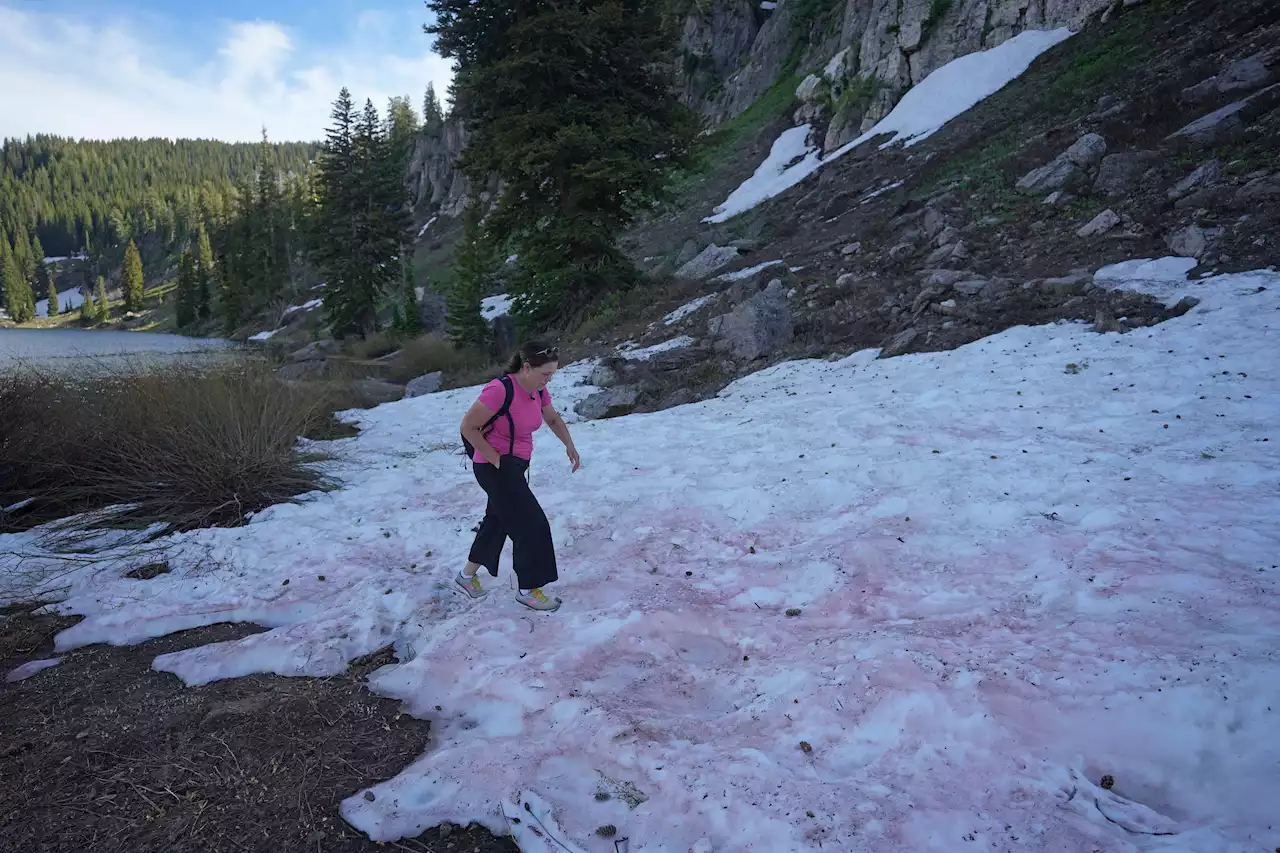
[(505, 411)]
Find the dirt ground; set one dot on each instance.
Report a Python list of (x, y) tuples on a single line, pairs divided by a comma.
[(103, 754)]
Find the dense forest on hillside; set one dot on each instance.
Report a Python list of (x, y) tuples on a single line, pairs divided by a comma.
[(75, 195)]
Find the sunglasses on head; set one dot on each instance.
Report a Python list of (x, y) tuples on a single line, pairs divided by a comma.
[(549, 352)]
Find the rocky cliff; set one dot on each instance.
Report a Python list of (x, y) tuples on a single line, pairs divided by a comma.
[(857, 58)]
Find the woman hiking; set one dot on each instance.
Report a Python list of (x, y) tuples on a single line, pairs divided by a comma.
[(498, 432)]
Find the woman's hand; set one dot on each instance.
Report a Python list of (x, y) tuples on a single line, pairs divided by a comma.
[(574, 458)]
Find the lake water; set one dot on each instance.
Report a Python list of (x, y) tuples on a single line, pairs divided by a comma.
[(55, 347)]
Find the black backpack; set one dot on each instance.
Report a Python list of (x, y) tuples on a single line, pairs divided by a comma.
[(504, 412)]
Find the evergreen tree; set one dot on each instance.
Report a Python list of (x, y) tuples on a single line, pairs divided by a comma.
[(572, 105), (402, 125), (476, 264), (188, 286), (360, 218), (407, 311), (267, 261), (131, 279), (17, 290), (205, 274), (103, 307), (432, 113), (51, 291), (88, 310)]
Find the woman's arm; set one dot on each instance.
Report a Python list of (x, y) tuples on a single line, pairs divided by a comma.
[(472, 423), (552, 419)]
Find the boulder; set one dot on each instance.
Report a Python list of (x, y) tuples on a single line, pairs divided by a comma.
[(1100, 224), (303, 370), (609, 403), (1087, 151), (1068, 285), (758, 326), (971, 287), (1206, 174), (674, 359), (375, 392), (428, 384), (1193, 241), (996, 288), (316, 351), (851, 249), (808, 88), (1118, 172), (1258, 191), (687, 253), (1048, 178), (708, 262), (944, 278), (899, 344), (1230, 120), (846, 279), (948, 236), (603, 376)]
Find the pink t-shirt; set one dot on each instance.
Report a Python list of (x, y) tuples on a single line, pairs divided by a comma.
[(526, 412)]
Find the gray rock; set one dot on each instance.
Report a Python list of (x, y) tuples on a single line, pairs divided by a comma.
[(432, 312), (1206, 174), (846, 279), (1087, 151), (1100, 224), (1119, 171), (1051, 177), (376, 392), (1230, 120), (1184, 305), (900, 251), (745, 244), (610, 403), (1057, 198), (960, 252), (945, 278), (758, 326), (1067, 285), (996, 288), (1193, 241), (1104, 321), (1244, 74), (304, 370), (851, 249), (971, 287), (900, 343), (687, 253), (603, 376), (808, 88), (949, 236), (1257, 191), (428, 384), (708, 262), (674, 359), (505, 335), (316, 351), (932, 223), (940, 254), (947, 307)]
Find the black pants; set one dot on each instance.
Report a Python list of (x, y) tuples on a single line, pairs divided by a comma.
[(514, 512)]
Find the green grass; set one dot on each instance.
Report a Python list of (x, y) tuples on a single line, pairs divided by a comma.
[(718, 147)]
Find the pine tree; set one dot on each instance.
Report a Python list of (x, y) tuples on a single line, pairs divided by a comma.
[(131, 279), (476, 264), (572, 105), (19, 301), (103, 307), (402, 125), (88, 310), (407, 311), (187, 290), (432, 113), (206, 280), (268, 269), (51, 289), (360, 219)]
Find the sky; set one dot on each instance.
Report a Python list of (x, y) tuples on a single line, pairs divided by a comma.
[(106, 69)]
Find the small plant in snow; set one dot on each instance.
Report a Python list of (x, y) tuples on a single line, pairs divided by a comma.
[(794, 611), (1072, 367)]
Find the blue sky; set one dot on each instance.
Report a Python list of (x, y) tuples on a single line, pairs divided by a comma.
[(110, 68)]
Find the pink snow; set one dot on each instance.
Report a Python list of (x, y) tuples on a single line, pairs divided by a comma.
[(1011, 578)]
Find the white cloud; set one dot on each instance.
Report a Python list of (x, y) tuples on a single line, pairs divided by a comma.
[(102, 81)]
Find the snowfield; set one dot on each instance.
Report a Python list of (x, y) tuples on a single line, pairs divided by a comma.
[(917, 604), (944, 94)]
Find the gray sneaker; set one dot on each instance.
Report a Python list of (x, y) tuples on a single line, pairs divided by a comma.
[(470, 585), (538, 600)]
